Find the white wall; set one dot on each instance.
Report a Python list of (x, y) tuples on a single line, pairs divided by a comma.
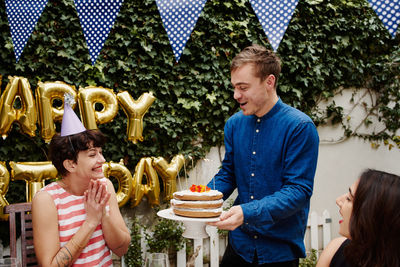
[(339, 165)]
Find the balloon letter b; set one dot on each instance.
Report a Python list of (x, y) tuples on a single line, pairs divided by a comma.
[(4, 182)]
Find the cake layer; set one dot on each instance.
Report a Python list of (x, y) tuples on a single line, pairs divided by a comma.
[(196, 203), (189, 195), (198, 213)]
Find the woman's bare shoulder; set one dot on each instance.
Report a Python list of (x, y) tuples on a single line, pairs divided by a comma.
[(330, 250), (42, 202)]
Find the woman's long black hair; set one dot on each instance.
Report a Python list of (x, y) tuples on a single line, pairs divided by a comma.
[(375, 221)]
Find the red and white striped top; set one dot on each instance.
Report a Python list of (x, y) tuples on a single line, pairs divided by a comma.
[(71, 215)]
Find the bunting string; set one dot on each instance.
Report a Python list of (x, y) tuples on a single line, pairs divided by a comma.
[(179, 18)]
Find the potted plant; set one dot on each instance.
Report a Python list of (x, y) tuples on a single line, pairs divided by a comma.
[(165, 237)]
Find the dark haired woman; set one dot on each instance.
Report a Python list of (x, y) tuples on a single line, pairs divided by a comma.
[(76, 220), (370, 225)]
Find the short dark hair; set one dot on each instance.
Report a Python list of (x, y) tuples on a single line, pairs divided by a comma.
[(265, 61), (375, 221), (68, 147)]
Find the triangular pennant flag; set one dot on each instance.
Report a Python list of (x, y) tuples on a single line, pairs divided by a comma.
[(179, 18), (97, 18), (22, 18), (388, 12), (274, 16)]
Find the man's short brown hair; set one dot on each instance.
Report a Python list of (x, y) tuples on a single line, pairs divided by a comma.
[(265, 61)]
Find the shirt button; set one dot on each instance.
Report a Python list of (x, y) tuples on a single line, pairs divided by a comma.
[(252, 174), (252, 197), (258, 120), (255, 237), (254, 152), (247, 223), (257, 131)]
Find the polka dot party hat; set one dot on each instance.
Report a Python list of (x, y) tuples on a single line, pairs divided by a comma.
[(388, 12), (179, 18), (274, 17), (97, 18), (22, 17)]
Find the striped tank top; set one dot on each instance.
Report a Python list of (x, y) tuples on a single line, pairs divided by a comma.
[(71, 215)]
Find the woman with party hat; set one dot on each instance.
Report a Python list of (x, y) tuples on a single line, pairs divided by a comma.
[(76, 220)]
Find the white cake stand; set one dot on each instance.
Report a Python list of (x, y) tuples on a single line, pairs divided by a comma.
[(194, 227)]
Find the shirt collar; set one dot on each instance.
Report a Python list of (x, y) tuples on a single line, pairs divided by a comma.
[(278, 105)]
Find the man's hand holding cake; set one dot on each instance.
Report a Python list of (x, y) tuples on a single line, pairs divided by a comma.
[(229, 220)]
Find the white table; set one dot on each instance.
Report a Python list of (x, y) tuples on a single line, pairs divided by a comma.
[(196, 229)]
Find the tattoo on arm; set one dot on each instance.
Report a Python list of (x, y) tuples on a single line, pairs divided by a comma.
[(63, 258)]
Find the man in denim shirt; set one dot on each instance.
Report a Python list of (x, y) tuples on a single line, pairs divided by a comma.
[(271, 152)]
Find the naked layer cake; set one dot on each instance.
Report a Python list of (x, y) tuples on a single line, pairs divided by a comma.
[(198, 202)]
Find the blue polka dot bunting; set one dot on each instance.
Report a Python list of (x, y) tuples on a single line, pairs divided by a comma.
[(179, 18), (22, 17), (97, 18), (274, 16), (388, 12)]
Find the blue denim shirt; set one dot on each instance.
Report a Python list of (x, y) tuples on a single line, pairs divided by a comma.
[(271, 160)]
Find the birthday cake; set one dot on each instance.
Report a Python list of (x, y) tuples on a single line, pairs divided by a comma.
[(197, 202)]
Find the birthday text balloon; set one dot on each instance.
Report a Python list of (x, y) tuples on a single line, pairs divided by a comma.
[(169, 172), (135, 111), (89, 97), (46, 94), (4, 182), (17, 105), (145, 170), (124, 178), (34, 174)]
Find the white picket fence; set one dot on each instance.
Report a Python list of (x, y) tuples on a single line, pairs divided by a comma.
[(318, 232), (317, 237)]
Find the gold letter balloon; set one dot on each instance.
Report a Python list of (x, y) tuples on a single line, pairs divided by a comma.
[(89, 97), (169, 172), (34, 174), (152, 187), (46, 94), (124, 178), (135, 111), (17, 104), (4, 182), (18, 89)]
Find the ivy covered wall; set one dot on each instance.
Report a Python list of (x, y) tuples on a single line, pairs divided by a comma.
[(328, 45)]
